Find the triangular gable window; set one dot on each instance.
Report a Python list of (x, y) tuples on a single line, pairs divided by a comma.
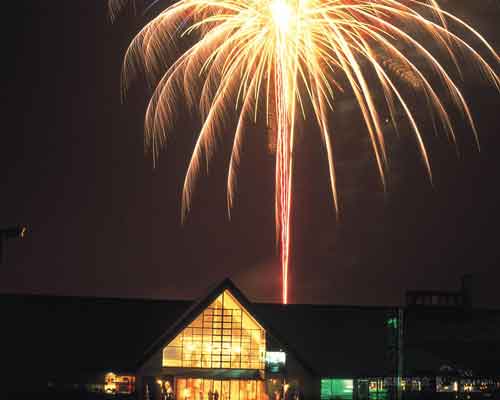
[(223, 336)]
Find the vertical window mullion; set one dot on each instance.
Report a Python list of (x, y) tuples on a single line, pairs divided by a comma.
[(202, 351), (222, 331), (182, 349), (241, 334), (212, 339)]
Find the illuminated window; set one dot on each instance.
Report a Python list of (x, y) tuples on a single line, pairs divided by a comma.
[(378, 389), (275, 361), (202, 389), (223, 336), (392, 322), (118, 383), (336, 389)]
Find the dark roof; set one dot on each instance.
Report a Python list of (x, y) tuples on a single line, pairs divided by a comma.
[(82, 334), (337, 341), (79, 335), (466, 339)]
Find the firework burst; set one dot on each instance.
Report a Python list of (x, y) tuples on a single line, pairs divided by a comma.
[(245, 55)]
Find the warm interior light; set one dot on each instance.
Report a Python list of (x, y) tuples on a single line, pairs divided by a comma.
[(110, 382), (202, 339)]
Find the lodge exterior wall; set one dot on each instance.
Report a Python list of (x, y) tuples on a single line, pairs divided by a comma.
[(309, 384)]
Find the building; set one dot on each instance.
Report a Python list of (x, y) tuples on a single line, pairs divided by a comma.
[(224, 347)]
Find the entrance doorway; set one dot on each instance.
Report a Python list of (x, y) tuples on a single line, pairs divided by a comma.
[(217, 389)]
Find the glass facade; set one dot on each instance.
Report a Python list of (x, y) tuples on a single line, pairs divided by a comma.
[(223, 336), (114, 384), (213, 389), (378, 389), (275, 361), (334, 389)]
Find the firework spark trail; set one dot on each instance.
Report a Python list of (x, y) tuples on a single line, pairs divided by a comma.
[(290, 52), (281, 14)]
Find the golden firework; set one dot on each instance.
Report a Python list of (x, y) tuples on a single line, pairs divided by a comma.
[(284, 53)]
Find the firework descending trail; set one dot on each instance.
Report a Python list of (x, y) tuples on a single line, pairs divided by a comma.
[(288, 55), (281, 14)]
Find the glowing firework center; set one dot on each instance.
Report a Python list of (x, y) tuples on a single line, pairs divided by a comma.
[(282, 13)]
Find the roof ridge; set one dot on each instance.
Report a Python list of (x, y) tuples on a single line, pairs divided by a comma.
[(87, 297)]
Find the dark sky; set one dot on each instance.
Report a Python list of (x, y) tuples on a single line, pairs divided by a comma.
[(104, 222)]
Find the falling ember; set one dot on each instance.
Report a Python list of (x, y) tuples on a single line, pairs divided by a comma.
[(281, 14), (289, 53)]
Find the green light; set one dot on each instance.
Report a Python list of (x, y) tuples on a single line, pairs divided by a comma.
[(336, 389), (392, 323)]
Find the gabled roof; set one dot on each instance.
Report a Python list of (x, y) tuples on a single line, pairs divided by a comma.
[(200, 305), (73, 335), (190, 315)]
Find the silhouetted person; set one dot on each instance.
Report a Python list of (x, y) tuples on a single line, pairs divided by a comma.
[(216, 395), (169, 393)]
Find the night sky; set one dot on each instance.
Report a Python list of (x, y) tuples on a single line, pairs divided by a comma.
[(104, 222)]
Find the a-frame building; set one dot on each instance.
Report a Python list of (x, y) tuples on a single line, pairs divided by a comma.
[(217, 351), (224, 347)]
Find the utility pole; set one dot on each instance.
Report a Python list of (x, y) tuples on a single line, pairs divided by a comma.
[(395, 325), (400, 352)]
